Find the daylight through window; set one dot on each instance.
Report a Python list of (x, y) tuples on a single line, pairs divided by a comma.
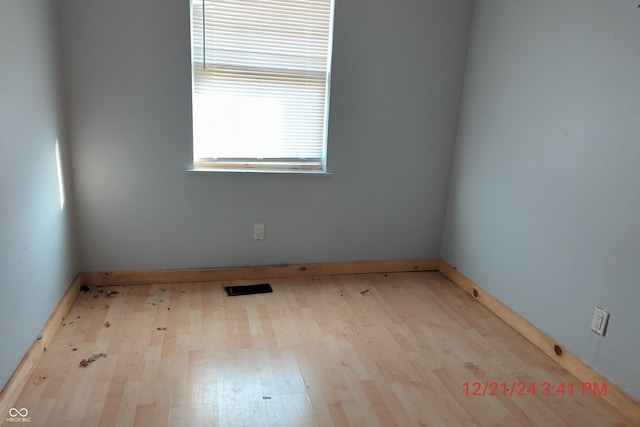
[(260, 83)]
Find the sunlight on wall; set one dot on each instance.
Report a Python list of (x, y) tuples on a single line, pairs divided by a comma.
[(60, 181)]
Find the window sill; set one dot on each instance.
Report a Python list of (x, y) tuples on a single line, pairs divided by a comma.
[(261, 171)]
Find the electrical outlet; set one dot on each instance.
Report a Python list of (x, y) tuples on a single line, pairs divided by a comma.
[(258, 231), (599, 322)]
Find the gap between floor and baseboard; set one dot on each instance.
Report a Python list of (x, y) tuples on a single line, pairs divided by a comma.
[(614, 396)]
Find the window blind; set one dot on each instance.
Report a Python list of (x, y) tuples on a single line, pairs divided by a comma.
[(260, 82)]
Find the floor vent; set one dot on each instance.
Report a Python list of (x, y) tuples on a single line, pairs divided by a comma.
[(248, 289)]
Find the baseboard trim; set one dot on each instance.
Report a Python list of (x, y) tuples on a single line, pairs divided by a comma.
[(23, 373), (254, 273), (615, 396)]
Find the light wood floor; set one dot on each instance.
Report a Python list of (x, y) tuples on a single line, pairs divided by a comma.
[(361, 350)]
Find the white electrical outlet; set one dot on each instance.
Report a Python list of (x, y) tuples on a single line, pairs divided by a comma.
[(258, 231), (599, 322)]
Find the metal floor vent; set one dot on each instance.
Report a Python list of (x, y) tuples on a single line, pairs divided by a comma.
[(248, 289)]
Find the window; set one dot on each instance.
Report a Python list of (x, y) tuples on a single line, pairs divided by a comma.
[(260, 83)]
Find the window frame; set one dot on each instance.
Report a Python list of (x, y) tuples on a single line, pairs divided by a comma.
[(268, 164)]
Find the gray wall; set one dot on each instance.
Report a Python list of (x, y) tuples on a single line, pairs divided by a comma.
[(544, 211), (397, 78), (36, 252)]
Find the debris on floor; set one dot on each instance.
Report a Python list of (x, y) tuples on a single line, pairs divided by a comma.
[(473, 369), (85, 362), (266, 397), (366, 291), (84, 288), (74, 349), (161, 328), (107, 324), (111, 294), (38, 338)]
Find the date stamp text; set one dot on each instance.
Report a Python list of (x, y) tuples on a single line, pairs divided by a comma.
[(521, 388)]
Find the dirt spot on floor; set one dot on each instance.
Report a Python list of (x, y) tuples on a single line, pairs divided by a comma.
[(86, 362), (473, 369), (39, 379)]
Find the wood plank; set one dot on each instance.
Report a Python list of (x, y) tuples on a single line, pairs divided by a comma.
[(255, 272), (26, 369), (586, 374)]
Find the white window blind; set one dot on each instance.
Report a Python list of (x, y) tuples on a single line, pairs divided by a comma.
[(260, 83)]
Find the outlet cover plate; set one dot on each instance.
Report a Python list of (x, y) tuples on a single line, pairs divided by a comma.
[(599, 322), (258, 231)]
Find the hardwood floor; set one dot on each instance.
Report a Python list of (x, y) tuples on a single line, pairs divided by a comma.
[(363, 350)]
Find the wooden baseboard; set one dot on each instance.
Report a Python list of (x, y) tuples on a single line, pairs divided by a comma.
[(255, 273), (24, 371), (614, 396)]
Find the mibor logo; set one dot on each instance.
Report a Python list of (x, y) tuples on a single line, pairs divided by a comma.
[(18, 416), (23, 412)]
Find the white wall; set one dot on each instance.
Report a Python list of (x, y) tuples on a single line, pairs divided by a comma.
[(397, 78), (544, 211), (36, 252)]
